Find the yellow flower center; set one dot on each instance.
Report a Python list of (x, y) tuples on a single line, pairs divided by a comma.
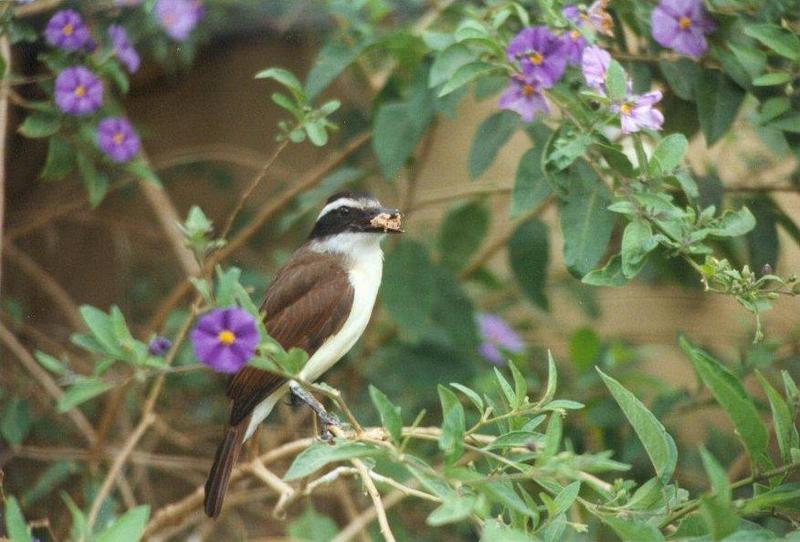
[(536, 58), (684, 22), (625, 108), (80, 91), (68, 29), (528, 90), (226, 337), (118, 138), (575, 34)]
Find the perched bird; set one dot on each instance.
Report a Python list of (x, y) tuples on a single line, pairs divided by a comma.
[(320, 301)]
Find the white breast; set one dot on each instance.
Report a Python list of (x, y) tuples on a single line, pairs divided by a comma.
[(365, 257)]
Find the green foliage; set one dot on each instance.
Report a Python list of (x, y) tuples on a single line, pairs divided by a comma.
[(129, 526), (528, 254), (321, 454), (463, 230)]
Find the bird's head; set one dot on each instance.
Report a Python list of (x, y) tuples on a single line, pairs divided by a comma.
[(355, 212)]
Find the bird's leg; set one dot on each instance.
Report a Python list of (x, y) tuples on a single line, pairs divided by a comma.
[(324, 417)]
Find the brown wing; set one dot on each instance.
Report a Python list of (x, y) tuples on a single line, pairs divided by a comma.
[(308, 301)]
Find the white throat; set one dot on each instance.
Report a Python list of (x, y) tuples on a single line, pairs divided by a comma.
[(356, 247)]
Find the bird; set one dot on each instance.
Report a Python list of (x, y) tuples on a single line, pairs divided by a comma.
[(320, 301)]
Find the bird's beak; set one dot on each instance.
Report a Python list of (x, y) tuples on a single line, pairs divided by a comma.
[(386, 221)]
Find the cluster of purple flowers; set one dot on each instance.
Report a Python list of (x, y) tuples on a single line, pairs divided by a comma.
[(79, 92), (635, 111), (225, 339), (540, 58)]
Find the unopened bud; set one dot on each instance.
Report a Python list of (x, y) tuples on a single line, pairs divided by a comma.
[(766, 270)]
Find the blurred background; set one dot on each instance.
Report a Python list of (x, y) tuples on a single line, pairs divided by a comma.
[(208, 127)]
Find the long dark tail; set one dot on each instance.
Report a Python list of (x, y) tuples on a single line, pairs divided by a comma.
[(220, 474)]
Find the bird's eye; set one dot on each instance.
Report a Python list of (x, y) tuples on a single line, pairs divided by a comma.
[(344, 211)]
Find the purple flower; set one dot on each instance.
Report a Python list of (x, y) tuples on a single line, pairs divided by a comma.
[(540, 53), (523, 95), (159, 346), (594, 65), (178, 17), (636, 112), (123, 49), (78, 91), (497, 336), (117, 138), (573, 41), (682, 25), (66, 30), (225, 339)]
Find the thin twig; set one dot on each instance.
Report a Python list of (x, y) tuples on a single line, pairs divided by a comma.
[(116, 467), (377, 503), (36, 8), (252, 186), (44, 379), (274, 482), (33, 271), (168, 216), (5, 56), (365, 518)]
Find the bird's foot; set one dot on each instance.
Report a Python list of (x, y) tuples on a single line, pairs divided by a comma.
[(325, 419)]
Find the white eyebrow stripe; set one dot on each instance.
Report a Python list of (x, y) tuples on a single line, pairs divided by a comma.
[(345, 202)]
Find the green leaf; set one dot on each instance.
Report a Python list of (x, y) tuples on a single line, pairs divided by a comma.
[(40, 124), (16, 421), (771, 79), (565, 498), (586, 222), (129, 527), (656, 441), (682, 76), (630, 529), (503, 492), (311, 526), (456, 508), (331, 60), (453, 425), (96, 182), (528, 253), (716, 475), (16, 528), (408, 275), (394, 136), (609, 275), (637, 242), (99, 323), (389, 413), (81, 391), (316, 132), (505, 388), (489, 138), (471, 394), (783, 42), (53, 476), (729, 393), (786, 496), (584, 347), (616, 81), (782, 420), (320, 454), (284, 77), (787, 123), (734, 223), (466, 74), (530, 185), (495, 531), (718, 101), (668, 154), (60, 159), (552, 379), (448, 62), (462, 232)]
